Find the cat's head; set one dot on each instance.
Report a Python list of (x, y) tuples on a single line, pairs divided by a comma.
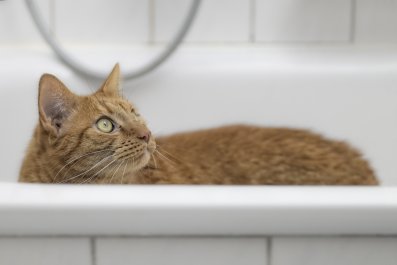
[(95, 136)]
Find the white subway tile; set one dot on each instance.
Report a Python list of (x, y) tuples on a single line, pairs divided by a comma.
[(45, 251), (302, 20), (181, 251), (376, 21), (16, 24), (330, 251), (102, 21), (216, 21)]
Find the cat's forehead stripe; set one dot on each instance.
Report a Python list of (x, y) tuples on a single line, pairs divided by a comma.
[(118, 109), (106, 107), (118, 105)]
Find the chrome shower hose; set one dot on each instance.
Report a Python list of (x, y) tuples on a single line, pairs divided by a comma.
[(88, 72)]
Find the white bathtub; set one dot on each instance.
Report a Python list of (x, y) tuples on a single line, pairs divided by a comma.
[(342, 92)]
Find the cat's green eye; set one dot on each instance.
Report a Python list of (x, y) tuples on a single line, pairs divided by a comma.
[(105, 125)]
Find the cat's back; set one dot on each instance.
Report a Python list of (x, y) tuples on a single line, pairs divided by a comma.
[(241, 154)]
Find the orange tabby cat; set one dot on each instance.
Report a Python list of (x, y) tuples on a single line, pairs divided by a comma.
[(102, 139)]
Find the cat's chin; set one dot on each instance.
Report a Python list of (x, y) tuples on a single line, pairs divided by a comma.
[(151, 147), (146, 157)]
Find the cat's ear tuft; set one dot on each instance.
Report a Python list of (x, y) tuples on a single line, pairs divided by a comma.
[(56, 103), (111, 85)]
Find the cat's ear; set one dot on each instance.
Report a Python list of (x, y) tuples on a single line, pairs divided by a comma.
[(112, 84), (56, 103)]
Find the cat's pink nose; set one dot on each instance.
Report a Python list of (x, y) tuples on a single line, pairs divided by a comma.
[(144, 135)]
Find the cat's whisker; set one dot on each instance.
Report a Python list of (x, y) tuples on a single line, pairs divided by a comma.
[(76, 160), (107, 176), (125, 167), (164, 157), (169, 154), (72, 165), (154, 161), (97, 174), (85, 172), (160, 157), (114, 173)]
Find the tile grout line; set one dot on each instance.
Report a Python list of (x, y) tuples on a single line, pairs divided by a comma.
[(269, 250), (93, 250)]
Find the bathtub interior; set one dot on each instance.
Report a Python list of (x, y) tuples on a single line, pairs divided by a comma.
[(343, 93)]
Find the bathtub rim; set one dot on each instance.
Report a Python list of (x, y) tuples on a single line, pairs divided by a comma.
[(45, 209)]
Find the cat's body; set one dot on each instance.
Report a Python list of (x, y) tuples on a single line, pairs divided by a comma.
[(73, 144), (241, 154)]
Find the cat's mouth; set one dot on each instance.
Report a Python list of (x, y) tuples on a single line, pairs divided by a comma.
[(129, 162), (140, 161)]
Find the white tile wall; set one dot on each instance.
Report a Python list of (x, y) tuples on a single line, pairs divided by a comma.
[(331, 251), (302, 20), (16, 26), (181, 251), (104, 21), (45, 251), (198, 251), (376, 21), (217, 20)]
